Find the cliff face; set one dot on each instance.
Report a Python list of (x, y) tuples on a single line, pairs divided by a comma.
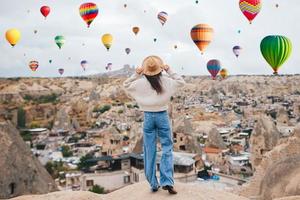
[(278, 174), (20, 172)]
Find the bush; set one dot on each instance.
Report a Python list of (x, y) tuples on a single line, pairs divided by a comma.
[(52, 98), (21, 118), (102, 109), (97, 189), (120, 111), (26, 135), (34, 125), (84, 164), (129, 106), (66, 151)]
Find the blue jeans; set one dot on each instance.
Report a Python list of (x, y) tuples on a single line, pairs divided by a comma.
[(157, 124)]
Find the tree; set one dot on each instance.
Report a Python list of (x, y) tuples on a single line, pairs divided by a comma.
[(21, 121), (97, 189), (83, 164), (66, 151)]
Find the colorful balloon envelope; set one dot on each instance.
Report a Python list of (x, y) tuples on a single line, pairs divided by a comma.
[(84, 64), (13, 36), (237, 50), (88, 12), (162, 17), (50, 61), (202, 35), (250, 8), (107, 40), (276, 50), (60, 41), (213, 67), (61, 71), (33, 65), (135, 30), (224, 73), (45, 10), (127, 50)]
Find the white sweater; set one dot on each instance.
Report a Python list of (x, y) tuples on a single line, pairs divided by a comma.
[(147, 98)]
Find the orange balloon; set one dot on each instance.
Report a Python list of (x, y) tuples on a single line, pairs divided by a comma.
[(136, 30), (202, 35)]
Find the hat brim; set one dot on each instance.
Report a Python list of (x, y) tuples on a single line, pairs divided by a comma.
[(149, 73)]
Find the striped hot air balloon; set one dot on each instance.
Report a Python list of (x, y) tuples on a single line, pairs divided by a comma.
[(88, 12), (250, 8), (162, 17), (214, 66), (33, 65), (276, 50), (224, 73), (60, 41), (202, 36)]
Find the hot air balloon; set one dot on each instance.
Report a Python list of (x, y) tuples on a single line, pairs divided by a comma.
[(154, 39), (202, 36), (224, 73), (277, 5), (214, 66), (239, 31), (136, 30), (250, 8), (50, 61), (13, 36), (162, 17), (276, 50), (107, 40), (197, 2), (35, 31), (125, 5), (108, 66), (84, 64), (128, 50), (45, 10), (61, 71), (175, 47), (237, 50), (88, 12), (60, 41), (33, 65)]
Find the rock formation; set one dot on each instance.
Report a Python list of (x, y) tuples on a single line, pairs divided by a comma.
[(21, 173), (142, 191), (278, 174), (263, 139), (215, 140)]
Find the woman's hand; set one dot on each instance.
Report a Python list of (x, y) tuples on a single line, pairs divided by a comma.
[(139, 70), (166, 67)]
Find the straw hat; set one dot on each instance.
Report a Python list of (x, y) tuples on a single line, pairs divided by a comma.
[(152, 65)]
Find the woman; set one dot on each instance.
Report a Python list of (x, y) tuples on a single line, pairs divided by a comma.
[(152, 90)]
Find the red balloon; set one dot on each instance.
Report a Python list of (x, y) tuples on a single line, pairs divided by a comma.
[(45, 10)]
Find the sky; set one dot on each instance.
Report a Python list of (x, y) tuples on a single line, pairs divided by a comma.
[(223, 15)]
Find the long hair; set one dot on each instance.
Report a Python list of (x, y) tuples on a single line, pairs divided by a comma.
[(155, 83)]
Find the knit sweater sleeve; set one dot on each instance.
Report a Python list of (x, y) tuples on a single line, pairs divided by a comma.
[(178, 81), (129, 84)]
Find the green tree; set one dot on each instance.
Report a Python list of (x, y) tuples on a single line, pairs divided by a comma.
[(21, 118), (84, 162), (66, 151), (97, 189)]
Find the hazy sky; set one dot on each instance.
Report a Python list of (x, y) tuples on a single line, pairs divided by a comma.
[(223, 15)]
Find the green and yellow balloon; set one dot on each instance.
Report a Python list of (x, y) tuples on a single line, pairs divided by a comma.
[(276, 50)]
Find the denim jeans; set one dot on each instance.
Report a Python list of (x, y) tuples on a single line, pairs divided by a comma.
[(157, 124)]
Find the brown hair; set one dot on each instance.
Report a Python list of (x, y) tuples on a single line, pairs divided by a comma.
[(155, 83)]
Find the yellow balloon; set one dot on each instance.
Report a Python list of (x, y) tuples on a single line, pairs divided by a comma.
[(107, 40), (13, 36)]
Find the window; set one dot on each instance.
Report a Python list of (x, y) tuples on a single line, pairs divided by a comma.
[(90, 183)]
